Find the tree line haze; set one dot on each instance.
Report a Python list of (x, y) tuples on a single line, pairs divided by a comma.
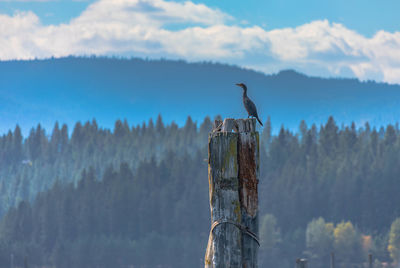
[(138, 195)]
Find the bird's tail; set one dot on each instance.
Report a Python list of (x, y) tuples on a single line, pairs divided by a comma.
[(259, 121)]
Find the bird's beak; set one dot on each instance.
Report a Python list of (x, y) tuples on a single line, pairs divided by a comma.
[(238, 85)]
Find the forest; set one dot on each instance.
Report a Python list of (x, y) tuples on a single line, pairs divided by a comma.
[(138, 195)]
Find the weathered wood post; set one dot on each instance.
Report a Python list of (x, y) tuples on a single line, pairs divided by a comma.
[(26, 262), (370, 261), (332, 260), (301, 263), (233, 170)]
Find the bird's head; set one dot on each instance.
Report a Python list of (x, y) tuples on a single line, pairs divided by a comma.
[(242, 86)]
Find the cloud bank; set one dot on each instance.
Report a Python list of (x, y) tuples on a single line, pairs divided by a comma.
[(194, 32)]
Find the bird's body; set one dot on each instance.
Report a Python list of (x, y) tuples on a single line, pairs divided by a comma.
[(249, 104)]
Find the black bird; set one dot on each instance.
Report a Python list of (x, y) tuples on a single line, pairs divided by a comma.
[(248, 104)]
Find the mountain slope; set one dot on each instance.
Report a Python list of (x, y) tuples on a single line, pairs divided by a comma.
[(71, 89)]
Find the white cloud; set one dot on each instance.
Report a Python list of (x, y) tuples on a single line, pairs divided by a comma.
[(197, 32), (334, 47)]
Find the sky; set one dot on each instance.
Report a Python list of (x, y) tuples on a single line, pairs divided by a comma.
[(351, 38)]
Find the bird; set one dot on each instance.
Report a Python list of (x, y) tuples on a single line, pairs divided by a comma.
[(248, 104)]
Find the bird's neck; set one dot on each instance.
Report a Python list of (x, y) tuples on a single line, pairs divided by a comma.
[(244, 93)]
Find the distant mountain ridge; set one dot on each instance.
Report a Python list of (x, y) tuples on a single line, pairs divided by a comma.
[(76, 88)]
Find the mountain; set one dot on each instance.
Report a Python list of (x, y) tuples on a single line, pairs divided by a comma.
[(72, 89)]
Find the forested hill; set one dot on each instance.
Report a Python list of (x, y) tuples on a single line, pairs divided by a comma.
[(33, 164), (72, 89), (139, 195)]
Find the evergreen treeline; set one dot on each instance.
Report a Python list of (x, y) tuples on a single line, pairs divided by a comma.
[(155, 216), (139, 196), (339, 174), (33, 165)]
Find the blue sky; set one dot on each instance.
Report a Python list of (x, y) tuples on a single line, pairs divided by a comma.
[(350, 38), (366, 17)]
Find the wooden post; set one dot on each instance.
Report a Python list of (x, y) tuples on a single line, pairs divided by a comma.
[(370, 260), (301, 263), (233, 170), (332, 260), (26, 262)]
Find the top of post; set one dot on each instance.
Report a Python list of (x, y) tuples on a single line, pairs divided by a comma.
[(235, 125)]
